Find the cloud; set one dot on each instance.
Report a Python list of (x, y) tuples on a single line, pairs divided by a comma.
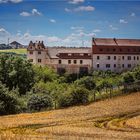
[(132, 14), (52, 20), (123, 21), (34, 12), (96, 30), (112, 27), (12, 1), (84, 8), (3, 32), (76, 1), (76, 27), (73, 39), (67, 10), (25, 14)]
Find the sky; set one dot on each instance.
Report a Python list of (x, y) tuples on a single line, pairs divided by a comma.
[(68, 22)]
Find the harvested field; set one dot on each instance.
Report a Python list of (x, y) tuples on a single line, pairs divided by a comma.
[(111, 119)]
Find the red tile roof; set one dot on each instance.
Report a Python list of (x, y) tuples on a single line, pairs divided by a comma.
[(116, 42)]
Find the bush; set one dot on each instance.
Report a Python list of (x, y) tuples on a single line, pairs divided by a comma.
[(87, 82), (128, 78), (74, 97), (9, 103), (39, 102)]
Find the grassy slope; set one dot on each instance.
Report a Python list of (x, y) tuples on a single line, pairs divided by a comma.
[(18, 51), (103, 120)]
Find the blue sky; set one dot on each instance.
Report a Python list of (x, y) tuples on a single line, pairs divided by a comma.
[(68, 22)]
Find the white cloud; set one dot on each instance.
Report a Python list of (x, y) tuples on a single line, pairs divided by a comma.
[(25, 14), (123, 21), (76, 28), (84, 8), (112, 27), (73, 39), (34, 12), (132, 14), (96, 30), (3, 32), (67, 10), (52, 20), (13, 1), (76, 1)]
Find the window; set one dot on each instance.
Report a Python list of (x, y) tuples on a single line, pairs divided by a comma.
[(98, 57), (98, 65), (39, 52), (69, 61), (74, 61), (114, 65), (81, 54), (59, 61), (128, 50), (81, 61), (129, 65), (69, 54), (107, 65), (129, 57), (108, 57), (108, 50), (31, 60), (31, 52), (120, 50), (101, 50), (137, 58), (114, 57), (123, 65), (134, 57), (39, 60), (114, 50), (122, 57)]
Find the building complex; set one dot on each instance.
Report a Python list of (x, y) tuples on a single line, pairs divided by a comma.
[(105, 54)]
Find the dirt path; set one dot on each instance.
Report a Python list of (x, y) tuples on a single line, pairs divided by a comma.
[(113, 119)]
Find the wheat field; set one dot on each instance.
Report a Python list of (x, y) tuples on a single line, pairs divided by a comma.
[(112, 119)]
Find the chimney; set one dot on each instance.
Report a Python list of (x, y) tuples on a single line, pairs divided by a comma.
[(115, 40)]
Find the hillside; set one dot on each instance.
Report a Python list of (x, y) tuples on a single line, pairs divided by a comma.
[(111, 119)]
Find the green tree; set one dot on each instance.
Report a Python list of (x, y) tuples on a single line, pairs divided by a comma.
[(39, 102), (9, 103)]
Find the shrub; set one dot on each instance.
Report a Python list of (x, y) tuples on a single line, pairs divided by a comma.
[(9, 103), (74, 97), (87, 82), (39, 102)]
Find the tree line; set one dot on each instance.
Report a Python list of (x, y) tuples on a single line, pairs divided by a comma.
[(27, 88)]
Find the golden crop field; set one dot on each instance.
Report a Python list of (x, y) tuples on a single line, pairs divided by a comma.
[(112, 119)]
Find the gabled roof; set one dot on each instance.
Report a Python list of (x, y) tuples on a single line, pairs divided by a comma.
[(116, 42), (15, 43)]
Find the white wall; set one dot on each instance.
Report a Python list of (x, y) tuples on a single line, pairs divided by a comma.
[(119, 61)]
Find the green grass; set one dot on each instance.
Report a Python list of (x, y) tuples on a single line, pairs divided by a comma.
[(17, 51)]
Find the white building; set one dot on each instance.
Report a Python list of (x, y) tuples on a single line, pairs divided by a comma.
[(115, 54), (105, 54), (69, 59)]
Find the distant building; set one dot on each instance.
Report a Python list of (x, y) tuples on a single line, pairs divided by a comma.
[(105, 54), (71, 60), (16, 45), (115, 54)]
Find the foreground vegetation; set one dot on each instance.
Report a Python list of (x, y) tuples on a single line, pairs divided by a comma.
[(28, 88)]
